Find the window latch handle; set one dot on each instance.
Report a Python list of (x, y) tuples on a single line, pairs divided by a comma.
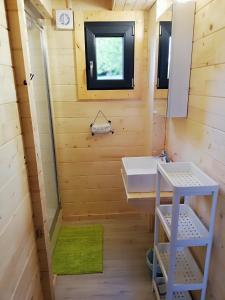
[(91, 68)]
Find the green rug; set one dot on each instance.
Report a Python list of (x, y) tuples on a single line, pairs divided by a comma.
[(79, 250)]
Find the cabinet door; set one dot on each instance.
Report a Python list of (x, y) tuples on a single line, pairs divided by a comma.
[(180, 60)]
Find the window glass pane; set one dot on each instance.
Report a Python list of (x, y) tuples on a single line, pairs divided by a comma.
[(109, 58)]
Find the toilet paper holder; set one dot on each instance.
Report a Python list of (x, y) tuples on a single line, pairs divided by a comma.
[(103, 127)]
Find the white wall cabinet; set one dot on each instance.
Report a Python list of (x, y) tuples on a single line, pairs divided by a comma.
[(180, 58)]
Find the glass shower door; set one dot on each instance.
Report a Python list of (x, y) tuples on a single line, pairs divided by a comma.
[(41, 98)]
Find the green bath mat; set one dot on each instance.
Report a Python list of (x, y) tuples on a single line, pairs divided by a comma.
[(79, 250)]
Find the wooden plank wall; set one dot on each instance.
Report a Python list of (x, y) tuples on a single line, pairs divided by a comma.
[(89, 167), (19, 270), (201, 137), (157, 98), (162, 7)]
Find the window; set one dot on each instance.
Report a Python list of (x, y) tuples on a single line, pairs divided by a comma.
[(164, 54), (109, 55)]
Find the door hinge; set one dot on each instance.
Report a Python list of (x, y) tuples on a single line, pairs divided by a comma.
[(133, 30), (132, 82)]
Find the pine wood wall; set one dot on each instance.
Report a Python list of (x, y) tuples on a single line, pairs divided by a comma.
[(19, 270), (156, 99), (201, 137), (89, 167)]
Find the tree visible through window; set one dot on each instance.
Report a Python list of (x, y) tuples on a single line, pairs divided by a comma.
[(109, 56)]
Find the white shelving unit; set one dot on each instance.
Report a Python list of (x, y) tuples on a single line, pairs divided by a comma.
[(183, 229)]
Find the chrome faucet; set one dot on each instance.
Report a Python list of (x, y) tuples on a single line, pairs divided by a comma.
[(164, 156)]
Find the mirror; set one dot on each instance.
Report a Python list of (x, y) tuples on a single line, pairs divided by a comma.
[(164, 49), (164, 54), (174, 55)]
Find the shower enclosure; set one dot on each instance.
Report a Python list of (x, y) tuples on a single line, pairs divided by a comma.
[(41, 98)]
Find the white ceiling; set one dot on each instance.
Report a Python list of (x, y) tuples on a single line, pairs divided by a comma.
[(132, 4)]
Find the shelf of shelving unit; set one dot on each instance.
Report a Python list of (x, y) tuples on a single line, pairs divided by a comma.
[(191, 231), (183, 228), (187, 178), (176, 295), (188, 275)]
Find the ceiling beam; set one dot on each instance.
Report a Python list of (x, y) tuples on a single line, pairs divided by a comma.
[(132, 4)]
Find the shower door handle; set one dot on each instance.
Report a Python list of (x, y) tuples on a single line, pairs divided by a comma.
[(31, 76), (91, 65)]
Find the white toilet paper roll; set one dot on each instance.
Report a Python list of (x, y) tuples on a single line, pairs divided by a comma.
[(101, 128)]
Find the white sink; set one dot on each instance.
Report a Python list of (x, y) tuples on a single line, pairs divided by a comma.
[(140, 174)]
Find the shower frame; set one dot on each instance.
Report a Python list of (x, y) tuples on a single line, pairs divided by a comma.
[(35, 18)]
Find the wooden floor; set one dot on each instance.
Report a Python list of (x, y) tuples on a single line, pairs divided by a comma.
[(125, 274)]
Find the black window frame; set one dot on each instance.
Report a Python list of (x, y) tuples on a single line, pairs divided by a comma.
[(110, 29), (165, 28)]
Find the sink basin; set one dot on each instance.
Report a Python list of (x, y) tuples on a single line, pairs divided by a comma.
[(140, 174)]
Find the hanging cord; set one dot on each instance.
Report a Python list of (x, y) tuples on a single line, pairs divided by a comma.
[(104, 116)]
